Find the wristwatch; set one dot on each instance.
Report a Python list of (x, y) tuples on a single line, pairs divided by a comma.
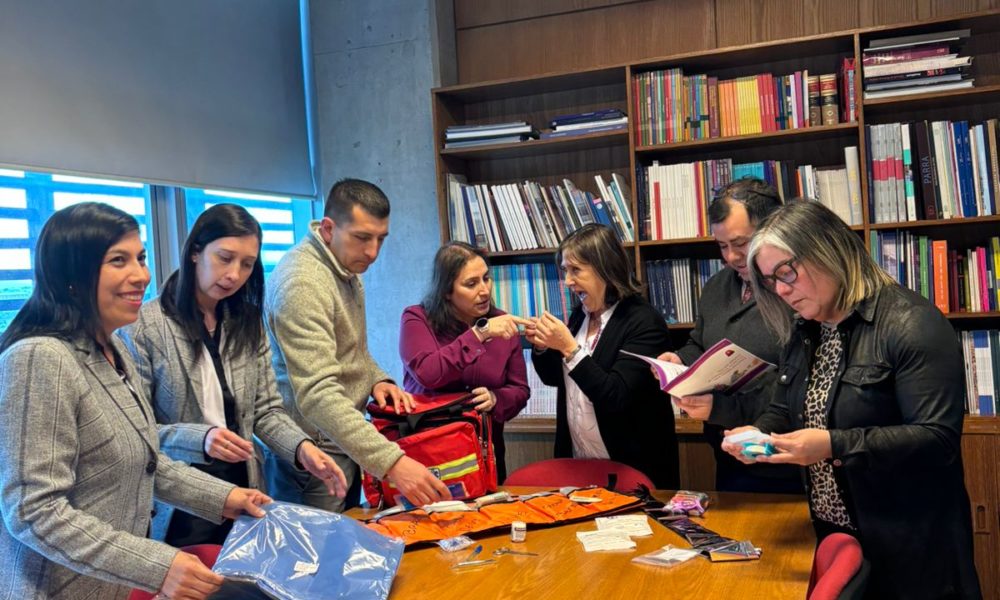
[(482, 326), (572, 354)]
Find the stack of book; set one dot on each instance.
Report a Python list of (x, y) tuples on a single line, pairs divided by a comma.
[(675, 286), (531, 289), (673, 199), (598, 121), (956, 281), (915, 64), (932, 170), (463, 136), (981, 349), (528, 215), (542, 399)]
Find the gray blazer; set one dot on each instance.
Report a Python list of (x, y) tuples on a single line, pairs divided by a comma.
[(79, 467), (171, 378)]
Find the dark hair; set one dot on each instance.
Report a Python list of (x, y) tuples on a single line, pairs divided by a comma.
[(349, 192), (449, 261), (759, 197), (67, 265), (243, 310), (598, 246)]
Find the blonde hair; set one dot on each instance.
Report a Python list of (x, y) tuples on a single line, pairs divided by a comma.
[(815, 235)]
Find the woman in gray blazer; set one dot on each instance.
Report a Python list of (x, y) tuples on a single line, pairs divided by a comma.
[(79, 456), (205, 365)]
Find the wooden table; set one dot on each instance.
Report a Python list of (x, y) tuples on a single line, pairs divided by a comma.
[(775, 523)]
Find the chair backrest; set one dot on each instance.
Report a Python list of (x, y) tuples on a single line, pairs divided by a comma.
[(837, 564), (560, 472), (207, 553)]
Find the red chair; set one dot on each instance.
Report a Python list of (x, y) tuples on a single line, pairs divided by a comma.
[(840, 571), (207, 553), (560, 472)]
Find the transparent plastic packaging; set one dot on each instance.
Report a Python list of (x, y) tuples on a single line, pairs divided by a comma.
[(301, 553)]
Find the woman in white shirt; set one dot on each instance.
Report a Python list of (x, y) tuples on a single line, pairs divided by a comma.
[(609, 405), (205, 365)]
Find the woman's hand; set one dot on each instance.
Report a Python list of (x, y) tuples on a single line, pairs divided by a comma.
[(189, 579), (222, 444), (244, 500), (803, 447), (484, 400), (696, 407), (322, 467), (736, 450), (550, 332), (503, 326)]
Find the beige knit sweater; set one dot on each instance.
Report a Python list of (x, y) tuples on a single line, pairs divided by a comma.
[(315, 318)]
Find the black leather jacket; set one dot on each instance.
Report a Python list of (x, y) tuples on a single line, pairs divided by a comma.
[(895, 421)]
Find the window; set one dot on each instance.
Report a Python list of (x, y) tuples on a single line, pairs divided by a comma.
[(283, 220), (28, 199)]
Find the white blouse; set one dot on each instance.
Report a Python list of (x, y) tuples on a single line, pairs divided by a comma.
[(587, 441)]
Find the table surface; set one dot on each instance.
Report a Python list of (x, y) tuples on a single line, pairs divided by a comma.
[(777, 524)]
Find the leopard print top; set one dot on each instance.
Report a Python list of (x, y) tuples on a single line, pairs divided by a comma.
[(825, 496)]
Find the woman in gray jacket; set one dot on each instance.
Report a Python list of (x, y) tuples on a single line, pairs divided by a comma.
[(79, 457), (205, 364)]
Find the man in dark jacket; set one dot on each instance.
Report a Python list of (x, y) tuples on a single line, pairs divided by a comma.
[(729, 311)]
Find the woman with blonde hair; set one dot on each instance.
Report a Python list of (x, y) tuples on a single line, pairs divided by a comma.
[(869, 401)]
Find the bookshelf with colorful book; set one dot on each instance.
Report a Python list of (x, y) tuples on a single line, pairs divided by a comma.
[(906, 153)]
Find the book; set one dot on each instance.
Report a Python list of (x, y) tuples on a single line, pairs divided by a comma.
[(724, 367), (488, 132), (924, 89), (919, 39), (586, 117), (591, 124), (507, 139), (879, 57), (546, 135), (948, 61)]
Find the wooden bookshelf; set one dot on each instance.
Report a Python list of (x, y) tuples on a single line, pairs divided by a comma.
[(537, 99)]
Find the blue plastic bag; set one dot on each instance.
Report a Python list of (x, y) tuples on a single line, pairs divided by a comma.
[(301, 553)]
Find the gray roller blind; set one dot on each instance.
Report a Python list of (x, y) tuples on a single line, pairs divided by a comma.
[(199, 93)]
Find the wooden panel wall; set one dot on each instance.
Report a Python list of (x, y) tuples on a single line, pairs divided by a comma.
[(608, 35), (500, 39)]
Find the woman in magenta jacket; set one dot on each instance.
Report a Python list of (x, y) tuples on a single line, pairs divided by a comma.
[(456, 341)]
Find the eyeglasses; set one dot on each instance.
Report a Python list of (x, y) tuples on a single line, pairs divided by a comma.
[(784, 272)]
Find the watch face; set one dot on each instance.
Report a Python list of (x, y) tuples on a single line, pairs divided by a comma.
[(482, 323)]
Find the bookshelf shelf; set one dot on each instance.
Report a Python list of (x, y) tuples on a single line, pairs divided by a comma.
[(936, 222), (533, 148), (973, 315), (680, 326), (950, 99), (677, 242), (810, 134)]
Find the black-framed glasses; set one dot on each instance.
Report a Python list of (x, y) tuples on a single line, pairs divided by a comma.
[(784, 272)]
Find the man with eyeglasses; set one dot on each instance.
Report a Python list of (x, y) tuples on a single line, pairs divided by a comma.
[(728, 311)]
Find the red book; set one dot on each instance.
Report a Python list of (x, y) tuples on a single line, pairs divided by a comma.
[(657, 208), (984, 290), (901, 54), (940, 261), (954, 282)]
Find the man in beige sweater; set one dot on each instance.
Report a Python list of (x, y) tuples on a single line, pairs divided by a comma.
[(315, 319)]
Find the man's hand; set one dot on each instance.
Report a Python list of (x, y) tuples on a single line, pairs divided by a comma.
[(414, 481), (670, 357), (322, 467), (244, 500), (189, 579), (225, 445), (803, 447), (697, 407), (385, 391)]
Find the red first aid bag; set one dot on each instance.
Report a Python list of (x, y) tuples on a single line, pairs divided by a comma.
[(446, 435)]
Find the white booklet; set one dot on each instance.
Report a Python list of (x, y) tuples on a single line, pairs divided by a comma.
[(723, 367)]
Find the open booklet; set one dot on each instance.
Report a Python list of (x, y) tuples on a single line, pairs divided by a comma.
[(723, 367)]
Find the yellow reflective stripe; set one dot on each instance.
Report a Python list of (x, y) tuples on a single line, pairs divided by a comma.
[(457, 462)]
